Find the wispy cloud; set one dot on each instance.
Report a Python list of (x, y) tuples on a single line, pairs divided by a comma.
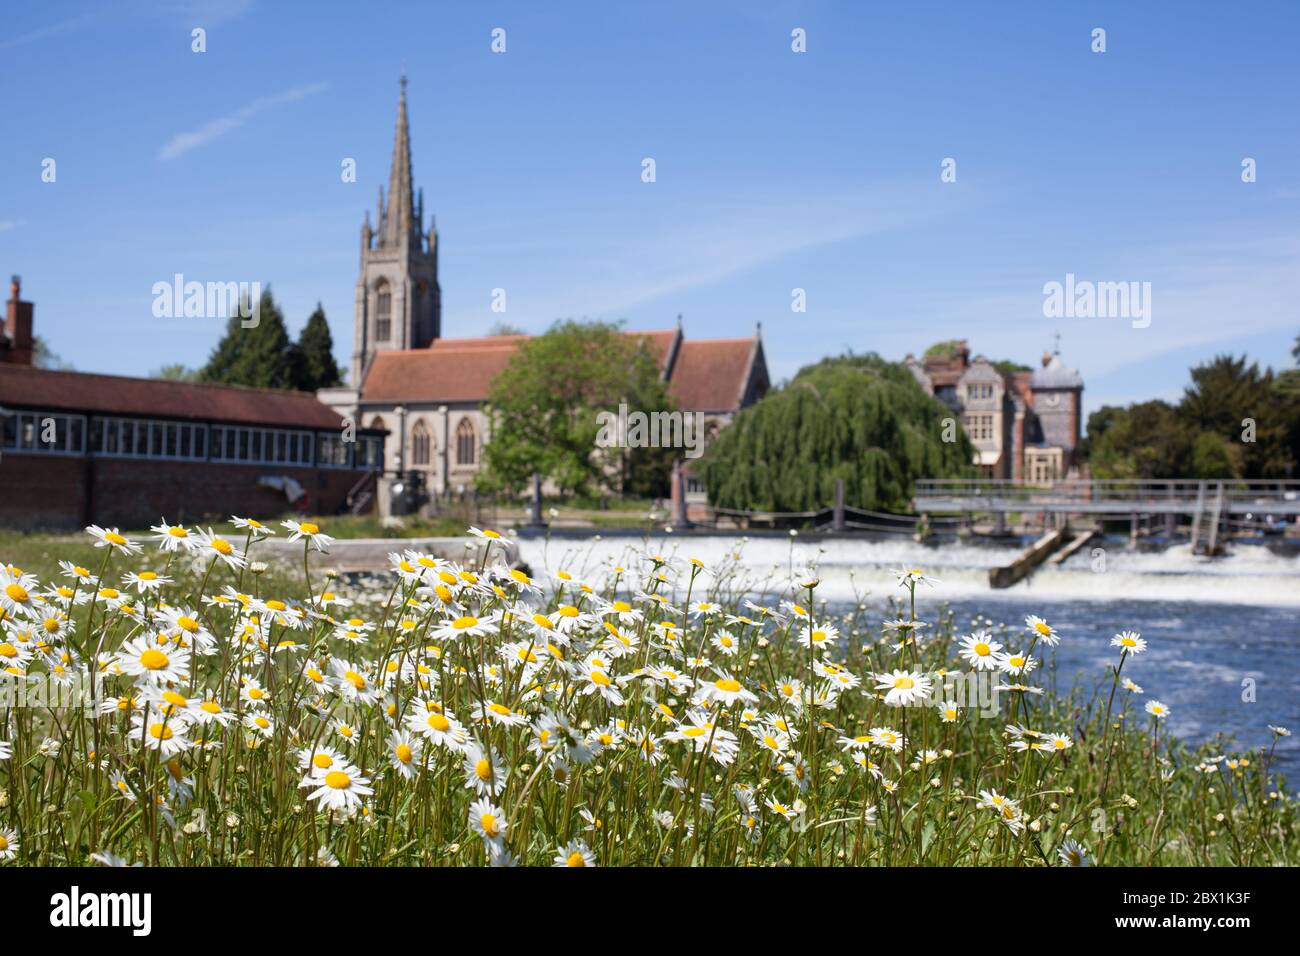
[(206, 13), (54, 29), (588, 261), (182, 143), (7, 224)]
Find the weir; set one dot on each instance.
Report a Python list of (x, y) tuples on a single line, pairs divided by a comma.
[(1028, 560), (1209, 506)]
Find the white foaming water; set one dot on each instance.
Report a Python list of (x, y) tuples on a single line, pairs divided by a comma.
[(1251, 575)]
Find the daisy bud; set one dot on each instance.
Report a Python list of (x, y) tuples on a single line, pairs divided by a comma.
[(232, 820), (258, 567)]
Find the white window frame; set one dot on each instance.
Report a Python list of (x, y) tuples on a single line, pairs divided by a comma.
[(23, 419)]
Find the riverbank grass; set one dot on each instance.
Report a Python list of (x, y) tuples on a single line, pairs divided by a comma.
[(223, 712)]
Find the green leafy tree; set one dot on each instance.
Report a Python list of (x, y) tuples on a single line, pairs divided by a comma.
[(944, 349), (544, 408), (313, 357), (260, 356), (175, 372), (1146, 440), (45, 357), (1226, 394), (857, 418), (1234, 421), (1214, 457)]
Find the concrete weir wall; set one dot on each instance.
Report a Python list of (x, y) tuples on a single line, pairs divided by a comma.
[(1028, 560), (371, 554)]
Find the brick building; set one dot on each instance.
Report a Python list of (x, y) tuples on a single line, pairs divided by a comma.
[(1024, 423), (79, 448)]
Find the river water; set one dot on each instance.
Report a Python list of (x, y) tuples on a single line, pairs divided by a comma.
[(1217, 629)]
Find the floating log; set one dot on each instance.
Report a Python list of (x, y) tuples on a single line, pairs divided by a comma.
[(1028, 560)]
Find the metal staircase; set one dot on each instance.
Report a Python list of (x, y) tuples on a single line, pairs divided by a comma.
[(1206, 521)]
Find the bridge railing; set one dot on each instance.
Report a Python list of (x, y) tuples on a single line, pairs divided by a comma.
[(1137, 491)]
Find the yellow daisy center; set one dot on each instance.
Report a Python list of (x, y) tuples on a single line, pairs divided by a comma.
[(153, 659)]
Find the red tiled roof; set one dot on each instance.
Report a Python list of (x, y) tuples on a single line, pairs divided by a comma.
[(710, 374), (462, 370), (435, 374), (25, 387), (484, 342)]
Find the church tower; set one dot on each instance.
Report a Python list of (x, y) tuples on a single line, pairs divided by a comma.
[(398, 302)]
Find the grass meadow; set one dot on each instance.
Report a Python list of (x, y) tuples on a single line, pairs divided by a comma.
[(220, 710)]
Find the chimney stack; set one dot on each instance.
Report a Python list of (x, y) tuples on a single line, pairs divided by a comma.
[(18, 327)]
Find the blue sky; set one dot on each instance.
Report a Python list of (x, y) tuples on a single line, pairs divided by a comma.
[(775, 170)]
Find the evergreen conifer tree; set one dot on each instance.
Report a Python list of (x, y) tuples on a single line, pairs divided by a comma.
[(314, 356), (260, 356)]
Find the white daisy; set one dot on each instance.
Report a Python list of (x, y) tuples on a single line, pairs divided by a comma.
[(309, 530), (1130, 641)]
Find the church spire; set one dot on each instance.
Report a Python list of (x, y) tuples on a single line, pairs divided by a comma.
[(398, 299), (399, 221)]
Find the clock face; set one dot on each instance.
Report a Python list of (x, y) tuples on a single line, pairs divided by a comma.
[(1052, 399)]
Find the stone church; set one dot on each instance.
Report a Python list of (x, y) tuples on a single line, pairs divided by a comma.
[(427, 391)]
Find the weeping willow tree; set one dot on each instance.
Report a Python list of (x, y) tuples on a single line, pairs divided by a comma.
[(855, 417)]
